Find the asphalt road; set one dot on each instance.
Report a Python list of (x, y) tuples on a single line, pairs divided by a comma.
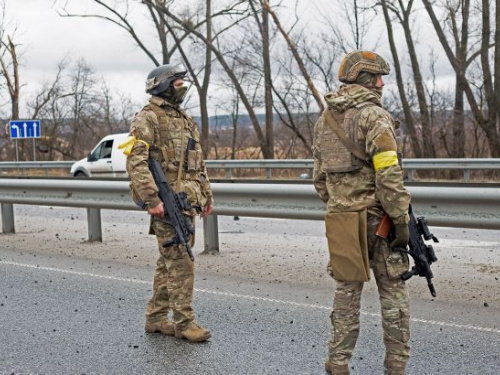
[(64, 313)]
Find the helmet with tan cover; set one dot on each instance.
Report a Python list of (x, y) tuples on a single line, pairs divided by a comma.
[(356, 62)]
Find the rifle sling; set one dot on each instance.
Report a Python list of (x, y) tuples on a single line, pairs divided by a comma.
[(346, 141)]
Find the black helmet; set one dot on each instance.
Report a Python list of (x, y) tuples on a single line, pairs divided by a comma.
[(162, 77)]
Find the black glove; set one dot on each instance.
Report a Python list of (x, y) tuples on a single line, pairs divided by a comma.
[(402, 233)]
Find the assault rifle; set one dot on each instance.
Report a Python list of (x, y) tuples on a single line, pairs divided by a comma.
[(174, 204), (423, 255)]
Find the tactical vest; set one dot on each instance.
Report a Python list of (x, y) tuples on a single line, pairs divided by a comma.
[(171, 141), (335, 156)]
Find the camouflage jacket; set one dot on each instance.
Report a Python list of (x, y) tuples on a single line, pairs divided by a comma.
[(377, 185), (165, 128)]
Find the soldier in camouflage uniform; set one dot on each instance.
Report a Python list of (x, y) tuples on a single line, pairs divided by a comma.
[(376, 185), (161, 130)]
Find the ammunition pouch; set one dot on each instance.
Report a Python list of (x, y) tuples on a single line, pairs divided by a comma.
[(194, 160)]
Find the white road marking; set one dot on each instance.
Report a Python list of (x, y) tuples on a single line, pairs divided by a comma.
[(58, 207), (248, 297)]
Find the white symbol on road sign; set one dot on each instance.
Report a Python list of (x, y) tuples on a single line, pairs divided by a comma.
[(20, 129)]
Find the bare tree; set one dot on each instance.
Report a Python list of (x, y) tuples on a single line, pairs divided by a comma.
[(77, 109), (9, 63), (497, 59), (9, 75), (47, 92), (458, 19), (201, 87), (221, 58), (293, 104), (322, 55), (410, 123), (403, 12), (263, 26), (171, 40), (357, 14), (118, 13), (487, 118), (461, 38), (296, 55)]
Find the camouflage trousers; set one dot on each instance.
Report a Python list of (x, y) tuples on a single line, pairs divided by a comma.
[(173, 281), (386, 265)]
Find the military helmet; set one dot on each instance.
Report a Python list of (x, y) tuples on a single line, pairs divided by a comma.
[(162, 77), (361, 61)]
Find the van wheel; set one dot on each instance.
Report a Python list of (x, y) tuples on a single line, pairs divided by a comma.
[(80, 174)]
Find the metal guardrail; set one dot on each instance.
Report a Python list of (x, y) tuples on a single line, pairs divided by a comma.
[(268, 165), (45, 165), (466, 165), (410, 165), (443, 206)]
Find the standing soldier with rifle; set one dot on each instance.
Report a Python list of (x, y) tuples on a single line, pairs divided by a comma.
[(169, 179), (357, 175)]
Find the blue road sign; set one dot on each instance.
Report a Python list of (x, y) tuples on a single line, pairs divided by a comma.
[(20, 129)]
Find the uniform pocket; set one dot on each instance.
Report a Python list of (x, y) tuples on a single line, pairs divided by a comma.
[(171, 154), (194, 194), (396, 262)]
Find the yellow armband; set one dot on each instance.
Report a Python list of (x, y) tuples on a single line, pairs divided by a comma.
[(129, 143), (384, 160)]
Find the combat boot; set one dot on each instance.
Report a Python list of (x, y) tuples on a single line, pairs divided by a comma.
[(395, 371), (163, 326), (193, 333), (334, 369)]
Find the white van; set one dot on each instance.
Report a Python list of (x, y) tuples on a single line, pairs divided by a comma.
[(105, 160)]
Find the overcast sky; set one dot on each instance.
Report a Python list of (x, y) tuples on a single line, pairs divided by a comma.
[(46, 38)]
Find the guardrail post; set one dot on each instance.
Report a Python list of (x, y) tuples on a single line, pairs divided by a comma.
[(211, 234), (269, 173), (466, 175), (94, 224), (410, 175), (8, 218), (228, 172)]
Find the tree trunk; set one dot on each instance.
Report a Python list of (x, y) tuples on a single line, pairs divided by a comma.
[(235, 117), (490, 123), (202, 88), (428, 146), (205, 123), (458, 108), (410, 125), (497, 59), (268, 85), (12, 80), (458, 143)]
